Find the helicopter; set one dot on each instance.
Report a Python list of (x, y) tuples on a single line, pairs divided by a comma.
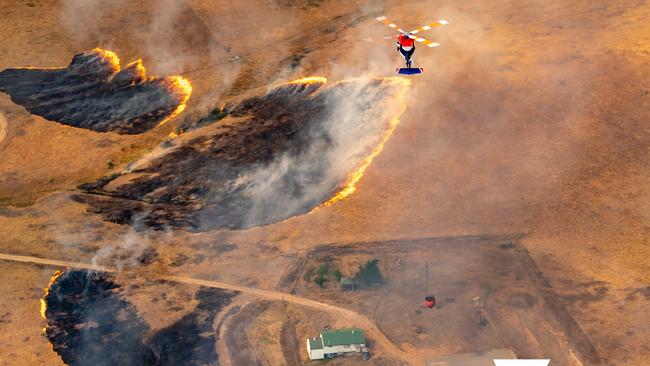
[(406, 42)]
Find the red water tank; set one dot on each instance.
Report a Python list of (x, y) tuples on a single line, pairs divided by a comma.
[(430, 301)]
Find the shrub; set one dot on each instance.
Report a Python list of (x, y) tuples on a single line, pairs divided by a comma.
[(310, 272), (320, 281), (337, 275), (323, 270)]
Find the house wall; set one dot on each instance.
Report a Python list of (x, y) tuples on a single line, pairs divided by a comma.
[(316, 354), (343, 348), (319, 354)]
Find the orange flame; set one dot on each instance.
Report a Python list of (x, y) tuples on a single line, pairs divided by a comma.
[(109, 56), (179, 85), (355, 177), (183, 89), (310, 80), (56, 275), (139, 68)]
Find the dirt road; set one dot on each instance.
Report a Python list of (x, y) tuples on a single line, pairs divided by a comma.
[(289, 343), (353, 317), (239, 346)]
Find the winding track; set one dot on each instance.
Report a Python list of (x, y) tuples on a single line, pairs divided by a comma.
[(360, 320)]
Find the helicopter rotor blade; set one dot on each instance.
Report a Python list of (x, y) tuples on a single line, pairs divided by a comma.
[(421, 40), (426, 27), (387, 22), (427, 42)]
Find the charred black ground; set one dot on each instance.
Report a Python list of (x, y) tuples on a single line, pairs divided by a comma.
[(292, 151), (89, 323), (94, 93)]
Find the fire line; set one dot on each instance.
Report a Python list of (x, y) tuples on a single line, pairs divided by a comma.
[(355, 177)]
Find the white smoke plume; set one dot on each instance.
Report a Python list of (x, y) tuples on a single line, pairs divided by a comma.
[(359, 119)]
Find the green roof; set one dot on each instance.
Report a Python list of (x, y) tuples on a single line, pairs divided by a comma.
[(315, 343), (340, 337)]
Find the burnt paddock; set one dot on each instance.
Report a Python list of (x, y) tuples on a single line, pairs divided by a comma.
[(95, 93), (90, 323), (289, 151)]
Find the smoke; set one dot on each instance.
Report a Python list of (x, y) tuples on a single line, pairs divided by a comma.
[(124, 251), (293, 150), (154, 33), (358, 119), (162, 44), (81, 19), (518, 127), (169, 35), (497, 113), (485, 115), (515, 130)]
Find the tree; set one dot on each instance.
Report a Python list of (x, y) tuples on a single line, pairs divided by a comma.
[(369, 273), (320, 281), (337, 275), (323, 270)]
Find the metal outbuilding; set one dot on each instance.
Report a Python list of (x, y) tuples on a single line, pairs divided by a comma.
[(331, 343)]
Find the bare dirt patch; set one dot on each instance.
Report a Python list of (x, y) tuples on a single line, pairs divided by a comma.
[(517, 308)]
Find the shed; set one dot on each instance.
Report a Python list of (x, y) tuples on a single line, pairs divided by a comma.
[(342, 337), (349, 284), (336, 342)]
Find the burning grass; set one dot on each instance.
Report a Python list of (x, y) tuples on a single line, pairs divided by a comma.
[(56, 275), (295, 148), (356, 175), (95, 93)]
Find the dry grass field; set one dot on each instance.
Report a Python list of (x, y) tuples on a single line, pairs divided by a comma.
[(529, 125)]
